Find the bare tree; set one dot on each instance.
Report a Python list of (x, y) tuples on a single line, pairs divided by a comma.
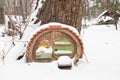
[(18, 12)]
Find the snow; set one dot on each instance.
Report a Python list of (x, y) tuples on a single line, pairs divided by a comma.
[(108, 45), (34, 11), (102, 14), (64, 60), (60, 43), (46, 50), (63, 52), (100, 18), (101, 46)]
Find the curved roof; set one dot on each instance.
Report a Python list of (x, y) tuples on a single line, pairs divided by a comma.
[(41, 27)]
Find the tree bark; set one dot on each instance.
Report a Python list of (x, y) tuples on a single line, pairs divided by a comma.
[(64, 11), (2, 15)]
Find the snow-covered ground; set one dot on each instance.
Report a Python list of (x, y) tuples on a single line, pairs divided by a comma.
[(101, 46)]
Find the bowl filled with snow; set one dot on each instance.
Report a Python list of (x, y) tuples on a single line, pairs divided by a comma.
[(64, 62)]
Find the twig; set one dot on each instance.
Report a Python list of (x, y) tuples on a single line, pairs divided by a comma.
[(20, 41), (86, 58), (8, 50), (3, 55)]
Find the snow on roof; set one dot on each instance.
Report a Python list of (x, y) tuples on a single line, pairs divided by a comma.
[(103, 18), (101, 14), (38, 28)]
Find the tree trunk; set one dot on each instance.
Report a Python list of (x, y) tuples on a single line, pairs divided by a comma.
[(64, 11), (2, 15)]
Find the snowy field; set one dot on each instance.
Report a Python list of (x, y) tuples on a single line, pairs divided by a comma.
[(101, 46)]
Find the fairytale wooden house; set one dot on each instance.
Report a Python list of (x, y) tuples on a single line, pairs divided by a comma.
[(53, 41)]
